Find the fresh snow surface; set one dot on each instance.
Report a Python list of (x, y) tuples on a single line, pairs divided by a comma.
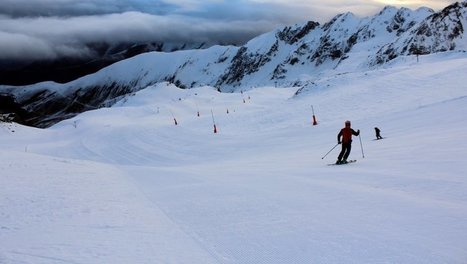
[(125, 185)]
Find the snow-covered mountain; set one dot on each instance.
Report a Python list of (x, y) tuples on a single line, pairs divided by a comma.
[(125, 185), (66, 69), (289, 56), (440, 32)]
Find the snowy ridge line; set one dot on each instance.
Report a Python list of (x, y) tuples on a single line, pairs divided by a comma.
[(44, 257), (460, 98)]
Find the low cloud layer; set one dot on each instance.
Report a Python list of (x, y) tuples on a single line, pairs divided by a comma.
[(49, 29)]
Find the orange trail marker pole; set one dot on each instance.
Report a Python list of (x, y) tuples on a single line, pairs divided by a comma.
[(175, 120), (213, 122), (314, 117)]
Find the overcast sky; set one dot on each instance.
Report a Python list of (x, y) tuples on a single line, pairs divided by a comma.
[(39, 29)]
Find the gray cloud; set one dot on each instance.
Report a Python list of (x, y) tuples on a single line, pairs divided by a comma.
[(34, 8), (48, 29), (53, 37)]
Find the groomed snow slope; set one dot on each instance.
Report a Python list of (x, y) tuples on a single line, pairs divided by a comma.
[(125, 185)]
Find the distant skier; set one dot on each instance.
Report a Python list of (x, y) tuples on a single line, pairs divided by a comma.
[(346, 134), (378, 135)]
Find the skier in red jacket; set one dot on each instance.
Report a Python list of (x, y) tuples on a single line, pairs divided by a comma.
[(346, 134)]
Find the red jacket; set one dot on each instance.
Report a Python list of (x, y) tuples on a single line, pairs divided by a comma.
[(346, 134)]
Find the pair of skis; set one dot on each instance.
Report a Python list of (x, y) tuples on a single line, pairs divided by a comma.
[(338, 164)]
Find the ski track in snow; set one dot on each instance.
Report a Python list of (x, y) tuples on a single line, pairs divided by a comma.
[(128, 186)]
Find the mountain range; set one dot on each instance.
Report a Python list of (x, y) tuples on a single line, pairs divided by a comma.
[(66, 69), (296, 55)]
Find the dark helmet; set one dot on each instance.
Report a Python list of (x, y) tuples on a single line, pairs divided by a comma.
[(347, 123)]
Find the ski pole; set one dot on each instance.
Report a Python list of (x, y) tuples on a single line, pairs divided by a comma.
[(330, 151), (361, 145)]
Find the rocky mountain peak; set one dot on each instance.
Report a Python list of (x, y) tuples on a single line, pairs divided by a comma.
[(439, 32)]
